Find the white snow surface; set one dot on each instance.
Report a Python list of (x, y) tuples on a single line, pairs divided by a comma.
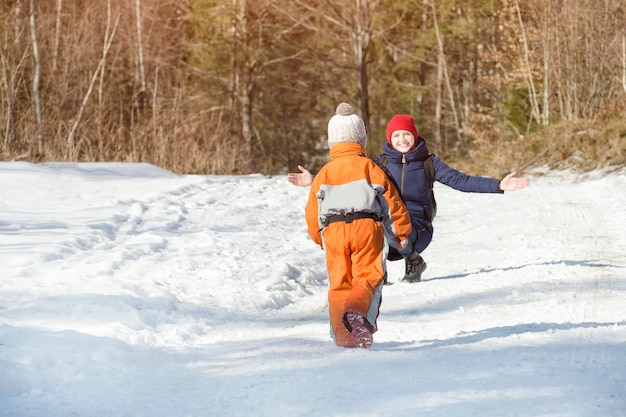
[(127, 290)]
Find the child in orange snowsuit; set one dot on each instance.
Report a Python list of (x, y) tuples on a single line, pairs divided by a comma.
[(350, 201)]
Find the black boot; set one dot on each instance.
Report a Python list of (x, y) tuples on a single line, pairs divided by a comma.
[(415, 265)]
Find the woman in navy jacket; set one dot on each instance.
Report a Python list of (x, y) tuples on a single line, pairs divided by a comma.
[(404, 159)]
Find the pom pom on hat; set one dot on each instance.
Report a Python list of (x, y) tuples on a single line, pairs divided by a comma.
[(346, 126), (401, 122), (344, 109)]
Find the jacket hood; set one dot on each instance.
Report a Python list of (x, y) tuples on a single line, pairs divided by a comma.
[(347, 149)]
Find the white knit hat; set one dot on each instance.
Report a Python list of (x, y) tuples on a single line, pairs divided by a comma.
[(345, 126)]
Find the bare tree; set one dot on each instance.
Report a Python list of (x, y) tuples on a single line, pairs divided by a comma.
[(546, 40), (532, 92), (7, 83), (244, 69), (142, 71), (57, 34), (36, 81), (361, 37), (108, 39), (18, 22), (442, 72), (624, 62), (438, 101)]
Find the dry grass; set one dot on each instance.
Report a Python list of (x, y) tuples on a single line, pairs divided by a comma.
[(581, 145), (201, 145)]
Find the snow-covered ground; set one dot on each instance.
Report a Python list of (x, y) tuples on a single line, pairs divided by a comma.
[(126, 290)]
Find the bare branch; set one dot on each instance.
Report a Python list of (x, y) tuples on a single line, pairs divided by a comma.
[(109, 38)]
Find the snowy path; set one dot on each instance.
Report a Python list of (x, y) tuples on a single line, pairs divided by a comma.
[(129, 291)]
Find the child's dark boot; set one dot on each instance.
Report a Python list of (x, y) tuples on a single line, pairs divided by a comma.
[(415, 265)]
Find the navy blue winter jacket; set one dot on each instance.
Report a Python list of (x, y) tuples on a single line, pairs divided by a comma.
[(409, 174)]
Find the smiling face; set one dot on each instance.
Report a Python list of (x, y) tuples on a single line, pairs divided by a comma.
[(402, 140)]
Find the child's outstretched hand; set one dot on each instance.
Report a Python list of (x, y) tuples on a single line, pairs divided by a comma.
[(510, 183), (302, 179)]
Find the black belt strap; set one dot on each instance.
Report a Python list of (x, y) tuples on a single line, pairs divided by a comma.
[(349, 217)]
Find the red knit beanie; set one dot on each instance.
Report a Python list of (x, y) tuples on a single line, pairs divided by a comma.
[(401, 122)]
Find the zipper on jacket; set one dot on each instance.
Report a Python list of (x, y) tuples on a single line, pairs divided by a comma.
[(402, 177)]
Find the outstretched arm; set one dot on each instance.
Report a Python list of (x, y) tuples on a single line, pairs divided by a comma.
[(302, 179), (511, 183)]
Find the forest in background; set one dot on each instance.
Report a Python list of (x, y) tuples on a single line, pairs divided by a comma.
[(246, 86)]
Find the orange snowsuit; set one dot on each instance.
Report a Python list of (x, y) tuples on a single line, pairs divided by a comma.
[(350, 201)]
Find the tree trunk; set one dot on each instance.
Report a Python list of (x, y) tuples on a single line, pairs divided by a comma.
[(441, 61), (624, 62), (360, 46), (532, 93), (142, 71), (36, 81), (18, 23), (439, 87), (57, 35), (7, 81), (245, 76), (546, 35)]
